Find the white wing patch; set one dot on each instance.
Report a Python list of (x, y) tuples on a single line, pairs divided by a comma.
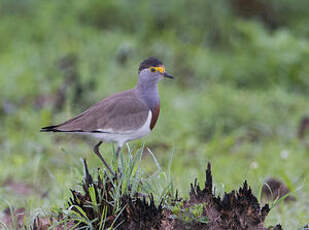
[(121, 137)]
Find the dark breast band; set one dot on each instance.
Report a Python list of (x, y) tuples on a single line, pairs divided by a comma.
[(155, 115)]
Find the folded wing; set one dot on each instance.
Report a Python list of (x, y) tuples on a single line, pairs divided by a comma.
[(119, 113)]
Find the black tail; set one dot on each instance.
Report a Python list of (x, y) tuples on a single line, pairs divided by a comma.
[(52, 128)]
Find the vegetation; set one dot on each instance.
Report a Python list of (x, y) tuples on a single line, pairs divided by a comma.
[(106, 203), (240, 92)]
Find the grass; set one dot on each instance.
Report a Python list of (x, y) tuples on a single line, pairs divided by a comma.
[(130, 180), (237, 100), (273, 151)]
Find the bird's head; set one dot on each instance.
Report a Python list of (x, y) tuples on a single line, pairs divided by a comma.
[(152, 70)]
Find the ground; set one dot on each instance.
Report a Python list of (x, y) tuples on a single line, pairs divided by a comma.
[(239, 98)]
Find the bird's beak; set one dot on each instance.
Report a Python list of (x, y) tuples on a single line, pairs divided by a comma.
[(165, 74)]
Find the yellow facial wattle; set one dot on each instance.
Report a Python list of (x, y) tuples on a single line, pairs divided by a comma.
[(161, 69)]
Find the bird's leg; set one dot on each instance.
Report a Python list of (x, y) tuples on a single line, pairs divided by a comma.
[(97, 152), (117, 152), (117, 155)]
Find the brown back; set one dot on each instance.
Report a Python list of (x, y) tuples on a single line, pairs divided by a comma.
[(120, 112)]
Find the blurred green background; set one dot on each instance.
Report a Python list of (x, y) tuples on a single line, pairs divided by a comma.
[(241, 84)]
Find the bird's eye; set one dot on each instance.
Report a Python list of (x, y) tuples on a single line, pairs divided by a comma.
[(152, 69)]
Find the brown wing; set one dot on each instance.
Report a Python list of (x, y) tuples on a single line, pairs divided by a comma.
[(121, 112)]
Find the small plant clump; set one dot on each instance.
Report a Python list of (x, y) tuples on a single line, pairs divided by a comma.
[(103, 204)]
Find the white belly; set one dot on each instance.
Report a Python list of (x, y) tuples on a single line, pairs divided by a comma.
[(125, 136)]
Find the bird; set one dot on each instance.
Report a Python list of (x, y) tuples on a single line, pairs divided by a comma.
[(124, 116)]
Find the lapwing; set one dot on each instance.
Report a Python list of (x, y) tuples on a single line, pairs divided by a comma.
[(124, 116)]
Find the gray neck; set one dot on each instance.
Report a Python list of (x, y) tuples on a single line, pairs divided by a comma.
[(148, 92)]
